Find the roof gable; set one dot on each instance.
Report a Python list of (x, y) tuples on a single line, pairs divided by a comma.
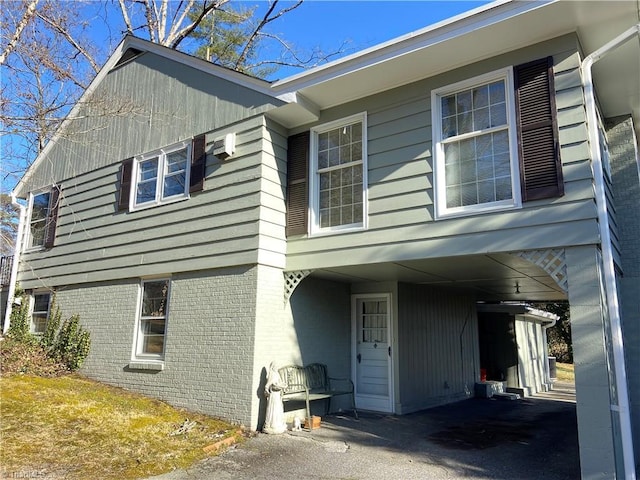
[(151, 63)]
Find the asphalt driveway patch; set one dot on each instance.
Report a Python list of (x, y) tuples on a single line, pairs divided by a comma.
[(476, 439), (483, 434)]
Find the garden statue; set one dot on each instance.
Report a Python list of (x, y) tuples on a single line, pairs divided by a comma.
[(274, 422)]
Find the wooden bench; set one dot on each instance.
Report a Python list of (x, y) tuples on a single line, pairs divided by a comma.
[(312, 382)]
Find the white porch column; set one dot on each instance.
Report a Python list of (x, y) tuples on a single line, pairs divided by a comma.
[(595, 429)]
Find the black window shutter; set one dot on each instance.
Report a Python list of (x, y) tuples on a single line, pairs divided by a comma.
[(52, 217), (198, 164), (297, 181), (126, 171), (540, 165)]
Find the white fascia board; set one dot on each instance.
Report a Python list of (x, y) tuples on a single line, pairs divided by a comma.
[(437, 33)]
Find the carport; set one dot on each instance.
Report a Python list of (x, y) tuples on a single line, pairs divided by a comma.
[(428, 370)]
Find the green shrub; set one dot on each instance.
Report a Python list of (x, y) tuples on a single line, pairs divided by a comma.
[(61, 347), (48, 339), (559, 336), (72, 344), (20, 321)]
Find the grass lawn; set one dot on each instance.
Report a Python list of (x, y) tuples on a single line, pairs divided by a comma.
[(564, 372), (73, 428)]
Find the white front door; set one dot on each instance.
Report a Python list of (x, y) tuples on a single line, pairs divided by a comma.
[(372, 340)]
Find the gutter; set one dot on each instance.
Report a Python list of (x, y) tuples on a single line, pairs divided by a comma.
[(16, 259), (607, 250)]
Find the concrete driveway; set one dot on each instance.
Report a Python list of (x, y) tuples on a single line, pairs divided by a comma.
[(531, 438)]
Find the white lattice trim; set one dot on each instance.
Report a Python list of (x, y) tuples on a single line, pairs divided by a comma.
[(551, 261), (291, 281)]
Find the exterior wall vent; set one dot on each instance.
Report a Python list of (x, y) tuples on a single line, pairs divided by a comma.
[(224, 147)]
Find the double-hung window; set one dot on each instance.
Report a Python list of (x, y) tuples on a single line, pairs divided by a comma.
[(39, 215), (338, 175), (152, 320), (162, 176), (476, 166), (40, 312)]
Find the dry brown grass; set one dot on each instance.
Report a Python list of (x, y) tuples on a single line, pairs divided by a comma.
[(564, 372), (73, 428)]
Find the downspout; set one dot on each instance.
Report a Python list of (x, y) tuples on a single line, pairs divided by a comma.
[(545, 338), (607, 251), (16, 259)]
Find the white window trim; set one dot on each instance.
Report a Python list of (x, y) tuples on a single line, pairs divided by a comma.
[(32, 304), (138, 359), (314, 197), (162, 156), (27, 235), (441, 211)]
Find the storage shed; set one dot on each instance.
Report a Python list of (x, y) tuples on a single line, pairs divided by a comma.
[(513, 346)]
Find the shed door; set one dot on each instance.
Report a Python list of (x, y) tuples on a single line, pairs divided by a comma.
[(372, 352)]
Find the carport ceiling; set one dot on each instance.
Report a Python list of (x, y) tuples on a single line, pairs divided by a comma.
[(496, 277)]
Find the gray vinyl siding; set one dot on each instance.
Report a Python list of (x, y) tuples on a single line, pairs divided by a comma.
[(273, 174), (218, 227), (400, 178), (437, 347), (145, 104)]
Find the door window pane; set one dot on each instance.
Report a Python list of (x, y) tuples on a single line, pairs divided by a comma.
[(374, 321)]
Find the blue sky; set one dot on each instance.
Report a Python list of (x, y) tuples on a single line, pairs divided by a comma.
[(326, 23)]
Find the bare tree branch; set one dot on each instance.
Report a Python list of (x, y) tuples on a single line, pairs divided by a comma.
[(125, 17), (62, 31), (162, 19), (265, 20), (28, 14), (152, 23), (313, 59), (176, 22), (176, 12), (175, 40)]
